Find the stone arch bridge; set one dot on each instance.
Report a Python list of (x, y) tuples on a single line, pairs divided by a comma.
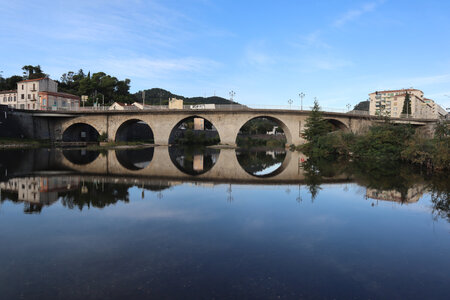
[(227, 122)]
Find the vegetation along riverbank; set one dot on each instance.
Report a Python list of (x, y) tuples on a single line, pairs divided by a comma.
[(381, 143)]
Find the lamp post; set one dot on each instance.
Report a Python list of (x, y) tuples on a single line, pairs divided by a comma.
[(301, 95), (290, 103), (232, 94)]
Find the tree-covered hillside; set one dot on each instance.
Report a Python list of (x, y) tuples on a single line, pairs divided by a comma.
[(100, 86), (157, 96)]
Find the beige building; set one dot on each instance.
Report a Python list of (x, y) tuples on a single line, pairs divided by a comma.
[(58, 101), (28, 92), (9, 98), (437, 110), (39, 94), (175, 103), (390, 103)]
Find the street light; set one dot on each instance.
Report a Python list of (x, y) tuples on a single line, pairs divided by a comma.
[(232, 94), (290, 103), (348, 107), (301, 95)]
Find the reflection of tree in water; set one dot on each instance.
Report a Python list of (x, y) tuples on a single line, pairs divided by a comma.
[(193, 160), (96, 195), (253, 161), (440, 197), (316, 170)]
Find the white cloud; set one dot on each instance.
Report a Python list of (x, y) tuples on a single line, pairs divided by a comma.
[(312, 40), (356, 13), (156, 68), (256, 54)]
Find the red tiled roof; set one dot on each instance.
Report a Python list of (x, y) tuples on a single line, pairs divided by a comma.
[(8, 92), (37, 79), (63, 95)]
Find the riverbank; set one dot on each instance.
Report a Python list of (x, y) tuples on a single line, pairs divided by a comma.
[(13, 143), (384, 144)]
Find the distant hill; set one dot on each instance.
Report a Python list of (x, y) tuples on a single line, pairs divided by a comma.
[(363, 105), (156, 96)]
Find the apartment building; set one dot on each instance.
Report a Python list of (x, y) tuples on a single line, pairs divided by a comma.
[(437, 110), (39, 94), (9, 98), (390, 103)]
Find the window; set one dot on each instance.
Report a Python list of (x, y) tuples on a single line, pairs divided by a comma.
[(34, 86), (22, 86), (34, 96), (22, 96), (4, 99), (29, 96), (15, 98)]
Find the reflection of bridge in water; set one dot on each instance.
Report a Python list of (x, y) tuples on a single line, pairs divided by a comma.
[(226, 170)]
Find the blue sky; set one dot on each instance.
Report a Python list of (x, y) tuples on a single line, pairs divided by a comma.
[(266, 51)]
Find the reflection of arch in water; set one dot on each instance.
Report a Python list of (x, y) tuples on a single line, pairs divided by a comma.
[(198, 126), (81, 156), (135, 159), (80, 132), (337, 125), (193, 161), (255, 162), (277, 121), (134, 130)]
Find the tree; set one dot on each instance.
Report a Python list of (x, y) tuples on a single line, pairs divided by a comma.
[(316, 125), (33, 72), (406, 105)]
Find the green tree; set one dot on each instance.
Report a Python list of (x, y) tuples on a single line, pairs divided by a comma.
[(316, 125), (33, 72), (407, 105)]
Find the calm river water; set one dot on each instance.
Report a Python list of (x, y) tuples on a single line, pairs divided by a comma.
[(203, 223)]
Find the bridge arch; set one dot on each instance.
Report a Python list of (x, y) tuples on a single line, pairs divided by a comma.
[(133, 130), (337, 124), (198, 125), (80, 132), (278, 121)]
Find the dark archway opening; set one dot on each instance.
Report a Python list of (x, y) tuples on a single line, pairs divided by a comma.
[(135, 159), (81, 156), (193, 160), (337, 125), (194, 130), (134, 131), (80, 132), (262, 132)]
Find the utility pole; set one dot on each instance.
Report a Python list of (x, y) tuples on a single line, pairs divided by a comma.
[(301, 95)]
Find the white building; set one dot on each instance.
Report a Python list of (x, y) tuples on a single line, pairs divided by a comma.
[(39, 94), (390, 103), (9, 98)]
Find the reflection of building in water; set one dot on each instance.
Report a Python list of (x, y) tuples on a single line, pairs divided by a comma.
[(39, 190), (198, 162), (412, 195), (274, 153)]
